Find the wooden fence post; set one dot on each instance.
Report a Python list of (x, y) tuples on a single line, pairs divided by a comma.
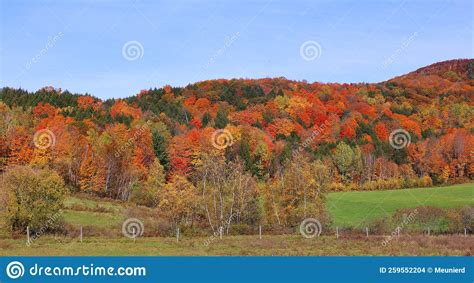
[(337, 232), (260, 231), (177, 234), (81, 233), (28, 241), (367, 231)]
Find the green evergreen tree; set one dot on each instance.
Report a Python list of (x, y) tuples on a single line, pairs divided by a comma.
[(159, 147), (221, 119), (206, 118)]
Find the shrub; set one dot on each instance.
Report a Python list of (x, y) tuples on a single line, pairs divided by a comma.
[(410, 182), (460, 218), (423, 217), (426, 181), (350, 187), (381, 184), (35, 198), (394, 183), (141, 195), (368, 186), (420, 219), (336, 187), (378, 226), (467, 217)]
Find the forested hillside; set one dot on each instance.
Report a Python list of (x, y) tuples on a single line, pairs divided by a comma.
[(254, 150)]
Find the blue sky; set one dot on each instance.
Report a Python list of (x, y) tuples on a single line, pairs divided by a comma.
[(79, 45)]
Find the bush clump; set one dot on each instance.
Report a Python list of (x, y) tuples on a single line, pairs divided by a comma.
[(35, 198)]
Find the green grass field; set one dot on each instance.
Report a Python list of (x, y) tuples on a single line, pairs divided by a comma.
[(352, 209)]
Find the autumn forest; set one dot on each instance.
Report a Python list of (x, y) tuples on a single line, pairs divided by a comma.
[(241, 151)]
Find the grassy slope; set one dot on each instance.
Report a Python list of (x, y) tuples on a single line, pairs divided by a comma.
[(83, 211), (354, 208)]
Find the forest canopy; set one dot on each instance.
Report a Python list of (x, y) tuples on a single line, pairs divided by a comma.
[(266, 148)]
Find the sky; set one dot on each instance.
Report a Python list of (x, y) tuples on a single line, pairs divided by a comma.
[(117, 48)]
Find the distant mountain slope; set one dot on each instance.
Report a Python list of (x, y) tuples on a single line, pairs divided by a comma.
[(464, 69), (453, 76)]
